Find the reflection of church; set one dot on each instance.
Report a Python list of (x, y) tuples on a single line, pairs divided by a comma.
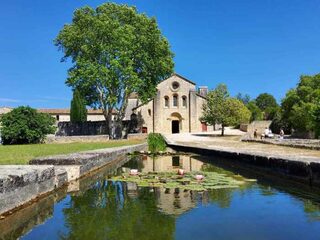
[(171, 201), (169, 163), (176, 108)]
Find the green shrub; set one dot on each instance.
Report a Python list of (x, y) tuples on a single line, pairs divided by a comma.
[(25, 125), (156, 142)]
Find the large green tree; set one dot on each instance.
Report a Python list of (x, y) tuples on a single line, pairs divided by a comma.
[(221, 109), (245, 98), (300, 107), (268, 105), (78, 111), (25, 125), (115, 51), (256, 113)]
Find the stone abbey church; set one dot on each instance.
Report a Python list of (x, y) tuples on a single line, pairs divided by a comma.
[(177, 108)]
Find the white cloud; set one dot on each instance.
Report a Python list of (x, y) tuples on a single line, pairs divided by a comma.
[(57, 98), (10, 100)]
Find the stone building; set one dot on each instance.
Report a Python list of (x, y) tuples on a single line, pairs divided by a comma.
[(63, 114), (177, 108)]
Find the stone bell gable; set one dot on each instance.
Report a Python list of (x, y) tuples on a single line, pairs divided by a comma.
[(176, 108)]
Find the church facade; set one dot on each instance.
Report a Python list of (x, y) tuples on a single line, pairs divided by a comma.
[(177, 108)]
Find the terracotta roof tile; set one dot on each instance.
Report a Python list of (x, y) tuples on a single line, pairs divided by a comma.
[(67, 111)]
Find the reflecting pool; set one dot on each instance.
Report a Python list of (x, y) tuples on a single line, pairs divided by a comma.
[(96, 208)]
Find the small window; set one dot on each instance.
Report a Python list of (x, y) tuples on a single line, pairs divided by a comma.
[(149, 112), (184, 101), (144, 130), (175, 161), (166, 101), (175, 85), (175, 100), (58, 117)]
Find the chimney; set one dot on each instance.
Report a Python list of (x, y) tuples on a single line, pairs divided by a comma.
[(203, 90)]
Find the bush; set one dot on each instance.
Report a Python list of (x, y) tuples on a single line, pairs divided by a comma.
[(156, 143), (25, 125)]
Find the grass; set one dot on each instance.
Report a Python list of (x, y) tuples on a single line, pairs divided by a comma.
[(22, 154)]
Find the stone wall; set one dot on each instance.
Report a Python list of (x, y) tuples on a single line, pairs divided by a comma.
[(137, 136), (71, 139), (82, 129), (259, 125), (297, 169), (78, 164), (244, 127), (20, 184)]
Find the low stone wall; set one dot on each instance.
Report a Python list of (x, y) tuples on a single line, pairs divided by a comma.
[(259, 125), (71, 139), (78, 164), (137, 136), (306, 171), (82, 129), (295, 143), (244, 127), (20, 184)]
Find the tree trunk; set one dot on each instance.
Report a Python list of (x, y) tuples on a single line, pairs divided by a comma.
[(110, 125), (222, 130)]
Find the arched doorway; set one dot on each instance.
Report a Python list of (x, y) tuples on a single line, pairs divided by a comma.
[(175, 126), (175, 122)]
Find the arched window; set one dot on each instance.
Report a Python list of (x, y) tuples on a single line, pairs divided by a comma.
[(184, 101), (166, 101), (175, 100)]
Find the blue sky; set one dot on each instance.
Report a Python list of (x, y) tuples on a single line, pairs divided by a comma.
[(252, 46)]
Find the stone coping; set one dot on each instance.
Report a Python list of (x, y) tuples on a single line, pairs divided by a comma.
[(84, 157), (302, 168), (295, 143)]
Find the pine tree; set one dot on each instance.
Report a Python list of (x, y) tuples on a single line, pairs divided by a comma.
[(78, 112)]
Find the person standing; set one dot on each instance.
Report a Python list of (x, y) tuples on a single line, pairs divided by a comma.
[(281, 133)]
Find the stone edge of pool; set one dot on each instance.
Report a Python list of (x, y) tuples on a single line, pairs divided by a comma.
[(20, 184), (299, 169)]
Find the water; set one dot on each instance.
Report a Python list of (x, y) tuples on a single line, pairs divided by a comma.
[(95, 208)]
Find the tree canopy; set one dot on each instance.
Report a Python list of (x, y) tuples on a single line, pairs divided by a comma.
[(300, 107), (266, 100), (78, 111), (256, 113), (115, 51), (268, 105), (25, 125), (245, 98), (224, 110)]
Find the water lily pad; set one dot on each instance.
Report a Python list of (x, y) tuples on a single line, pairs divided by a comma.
[(188, 181)]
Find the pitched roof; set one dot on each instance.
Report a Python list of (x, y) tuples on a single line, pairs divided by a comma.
[(67, 111), (178, 75)]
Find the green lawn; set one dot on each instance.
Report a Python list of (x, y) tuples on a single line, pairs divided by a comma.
[(21, 154)]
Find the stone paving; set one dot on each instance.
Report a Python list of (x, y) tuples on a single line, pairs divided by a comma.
[(231, 142)]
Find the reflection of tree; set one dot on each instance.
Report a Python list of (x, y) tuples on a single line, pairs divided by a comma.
[(312, 210), (221, 197), (135, 163), (106, 212), (267, 190)]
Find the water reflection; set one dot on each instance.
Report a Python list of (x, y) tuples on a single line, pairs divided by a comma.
[(96, 208), (165, 163)]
